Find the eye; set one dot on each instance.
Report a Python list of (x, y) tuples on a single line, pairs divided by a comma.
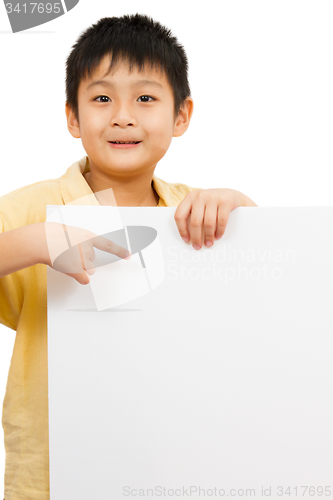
[(145, 98), (102, 97)]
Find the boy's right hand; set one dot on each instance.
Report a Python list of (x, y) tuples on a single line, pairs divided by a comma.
[(70, 250)]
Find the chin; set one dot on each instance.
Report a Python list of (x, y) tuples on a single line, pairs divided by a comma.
[(124, 168)]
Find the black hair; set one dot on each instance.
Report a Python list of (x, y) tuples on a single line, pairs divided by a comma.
[(136, 38)]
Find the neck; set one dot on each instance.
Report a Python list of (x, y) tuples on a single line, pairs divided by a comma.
[(137, 191)]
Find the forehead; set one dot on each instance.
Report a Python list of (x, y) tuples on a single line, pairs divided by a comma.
[(130, 73)]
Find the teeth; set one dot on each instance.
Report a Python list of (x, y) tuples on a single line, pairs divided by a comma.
[(122, 142)]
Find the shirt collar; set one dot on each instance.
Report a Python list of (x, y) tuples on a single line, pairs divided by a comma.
[(74, 186)]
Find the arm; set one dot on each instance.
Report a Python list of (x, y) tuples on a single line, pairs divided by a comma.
[(22, 247), (29, 245)]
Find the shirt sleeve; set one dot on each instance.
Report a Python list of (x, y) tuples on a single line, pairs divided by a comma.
[(184, 189)]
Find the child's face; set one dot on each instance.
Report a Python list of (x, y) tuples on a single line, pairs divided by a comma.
[(126, 106)]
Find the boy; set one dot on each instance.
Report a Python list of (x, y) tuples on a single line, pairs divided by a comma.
[(127, 96)]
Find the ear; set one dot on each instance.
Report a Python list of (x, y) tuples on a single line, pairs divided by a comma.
[(72, 123), (183, 118)]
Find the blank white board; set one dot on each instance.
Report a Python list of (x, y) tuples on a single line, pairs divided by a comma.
[(215, 380)]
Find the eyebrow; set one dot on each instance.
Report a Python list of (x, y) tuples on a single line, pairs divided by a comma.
[(105, 83)]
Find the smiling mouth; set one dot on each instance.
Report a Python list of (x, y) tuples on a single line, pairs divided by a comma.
[(124, 142)]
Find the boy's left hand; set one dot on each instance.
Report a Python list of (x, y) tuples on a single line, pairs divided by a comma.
[(203, 214)]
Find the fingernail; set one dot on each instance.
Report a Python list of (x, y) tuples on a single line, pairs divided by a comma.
[(196, 247), (127, 255), (185, 238), (209, 243), (218, 237)]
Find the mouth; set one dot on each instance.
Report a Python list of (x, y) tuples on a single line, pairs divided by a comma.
[(124, 144)]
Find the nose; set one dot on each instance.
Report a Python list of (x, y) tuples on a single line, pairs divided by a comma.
[(123, 115)]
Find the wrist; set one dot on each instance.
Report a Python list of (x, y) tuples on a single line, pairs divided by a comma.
[(41, 251)]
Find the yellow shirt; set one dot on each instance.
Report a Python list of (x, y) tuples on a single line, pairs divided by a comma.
[(23, 308)]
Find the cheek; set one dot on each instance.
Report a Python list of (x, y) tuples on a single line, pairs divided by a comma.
[(161, 128), (161, 136), (93, 124)]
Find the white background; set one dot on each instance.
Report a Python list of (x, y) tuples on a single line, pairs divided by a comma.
[(261, 76)]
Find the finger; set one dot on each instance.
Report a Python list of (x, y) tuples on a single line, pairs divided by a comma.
[(82, 278), (222, 221), (87, 255), (210, 223), (196, 223), (181, 218), (91, 256), (91, 270), (86, 261), (109, 246)]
